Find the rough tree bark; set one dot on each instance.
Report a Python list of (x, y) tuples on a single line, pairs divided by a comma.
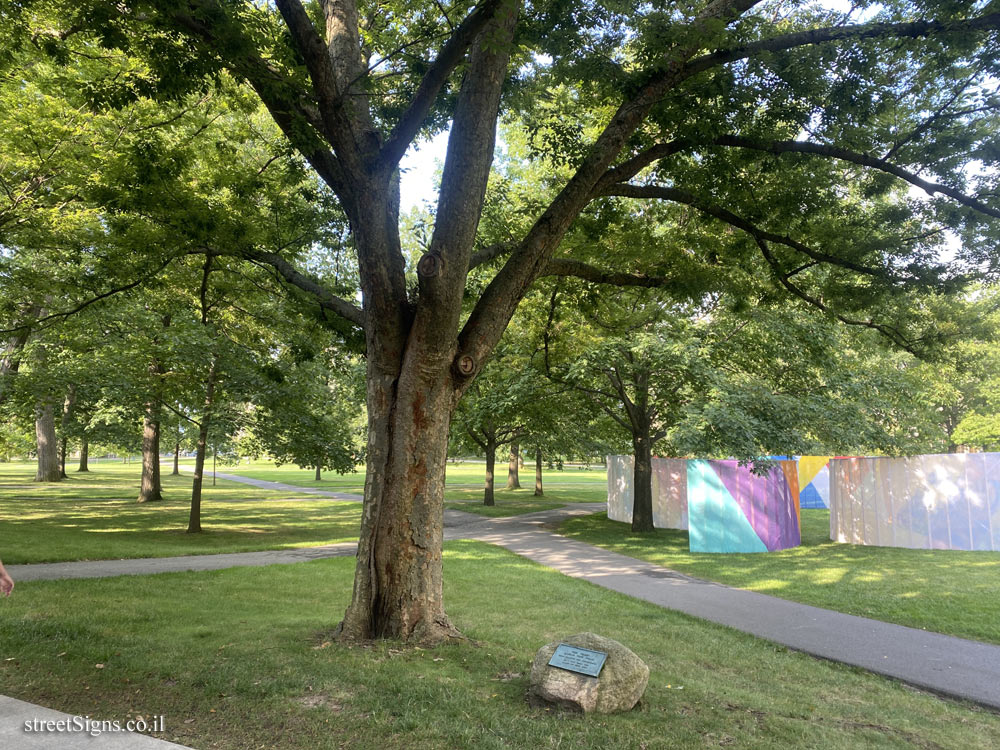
[(177, 459), (513, 479), (47, 446), (150, 489), (84, 454), (538, 472)]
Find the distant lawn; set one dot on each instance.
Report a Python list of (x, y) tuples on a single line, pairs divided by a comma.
[(241, 658), (458, 473), (464, 486), (518, 502), (951, 592), (94, 516)]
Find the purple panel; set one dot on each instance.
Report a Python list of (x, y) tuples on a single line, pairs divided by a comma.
[(766, 502)]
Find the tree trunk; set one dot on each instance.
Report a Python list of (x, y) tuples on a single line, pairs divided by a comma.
[(491, 461), (513, 480), (538, 472), (150, 490), (194, 519), (398, 583), (67, 412), (319, 475), (47, 444), (177, 459), (63, 441), (642, 478), (84, 454)]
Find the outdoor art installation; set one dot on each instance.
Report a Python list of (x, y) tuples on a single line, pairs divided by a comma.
[(732, 509), (922, 502), (669, 491), (724, 506)]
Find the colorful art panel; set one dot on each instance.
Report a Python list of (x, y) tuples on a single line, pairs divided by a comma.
[(620, 494), (947, 501), (814, 481), (731, 509), (669, 486)]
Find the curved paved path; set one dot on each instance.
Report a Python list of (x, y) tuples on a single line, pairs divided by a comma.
[(943, 664), (264, 484)]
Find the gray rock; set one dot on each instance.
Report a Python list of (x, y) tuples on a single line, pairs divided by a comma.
[(618, 688)]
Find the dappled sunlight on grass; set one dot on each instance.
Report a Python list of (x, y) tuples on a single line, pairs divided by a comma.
[(948, 591), (98, 518), (235, 664)]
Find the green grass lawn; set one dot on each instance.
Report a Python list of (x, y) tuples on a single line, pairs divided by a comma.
[(241, 658), (946, 591), (463, 487), (94, 516)]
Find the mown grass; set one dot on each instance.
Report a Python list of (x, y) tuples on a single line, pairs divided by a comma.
[(242, 658), (94, 516), (463, 486), (945, 591)]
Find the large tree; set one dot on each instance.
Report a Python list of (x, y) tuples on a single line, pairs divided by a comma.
[(659, 102)]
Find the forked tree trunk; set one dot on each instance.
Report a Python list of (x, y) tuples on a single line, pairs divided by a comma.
[(177, 459), (538, 472), (513, 480), (84, 454), (150, 489), (642, 482), (46, 444), (491, 464)]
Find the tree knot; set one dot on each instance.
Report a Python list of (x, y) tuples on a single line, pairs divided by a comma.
[(465, 365), (429, 265)]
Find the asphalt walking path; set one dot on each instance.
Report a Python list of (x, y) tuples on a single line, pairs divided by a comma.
[(949, 666), (264, 484)]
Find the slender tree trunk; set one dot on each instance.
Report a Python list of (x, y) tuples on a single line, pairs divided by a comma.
[(538, 472), (319, 475), (642, 505), (513, 480), (67, 412), (150, 490), (194, 519), (177, 459), (46, 444), (84, 454), (491, 461)]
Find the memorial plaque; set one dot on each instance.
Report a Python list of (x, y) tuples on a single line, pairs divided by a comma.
[(581, 660)]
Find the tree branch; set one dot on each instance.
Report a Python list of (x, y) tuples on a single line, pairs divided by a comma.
[(682, 196), (864, 160), (448, 58), (324, 297), (907, 30), (579, 269), (891, 333), (490, 253)]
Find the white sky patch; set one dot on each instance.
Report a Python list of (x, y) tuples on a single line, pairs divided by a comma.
[(420, 165)]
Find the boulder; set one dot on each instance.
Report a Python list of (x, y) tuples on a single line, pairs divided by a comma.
[(619, 686)]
